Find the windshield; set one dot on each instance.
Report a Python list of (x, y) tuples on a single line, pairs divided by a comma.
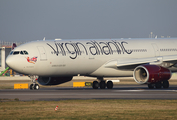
[(19, 52)]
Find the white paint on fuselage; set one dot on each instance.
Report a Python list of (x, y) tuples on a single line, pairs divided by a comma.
[(86, 57)]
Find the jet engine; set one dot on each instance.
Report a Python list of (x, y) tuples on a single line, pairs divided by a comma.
[(53, 80), (146, 74)]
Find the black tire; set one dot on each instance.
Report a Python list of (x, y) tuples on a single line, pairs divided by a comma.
[(102, 85), (109, 84), (31, 87), (150, 86), (95, 85), (165, 84), (36, 87), (158, 85)]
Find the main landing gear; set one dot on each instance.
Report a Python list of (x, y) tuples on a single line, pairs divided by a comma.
[(102, 84), (159, 85), (34, 86)]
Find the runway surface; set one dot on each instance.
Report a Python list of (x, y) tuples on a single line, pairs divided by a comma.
[(118, 92)]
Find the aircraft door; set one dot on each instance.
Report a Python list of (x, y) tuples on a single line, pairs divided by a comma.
[(42, 52), (156, 49)]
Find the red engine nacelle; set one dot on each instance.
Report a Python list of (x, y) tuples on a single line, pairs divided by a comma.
[(53, 80), (151, 74)]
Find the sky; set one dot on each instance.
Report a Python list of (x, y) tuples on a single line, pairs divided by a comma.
[(27, 20)]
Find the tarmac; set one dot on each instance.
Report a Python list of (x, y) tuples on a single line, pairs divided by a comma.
[(64, 93), (127, 88), (10, 81)]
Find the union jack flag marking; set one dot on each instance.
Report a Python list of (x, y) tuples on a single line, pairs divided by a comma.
[(32, 60)]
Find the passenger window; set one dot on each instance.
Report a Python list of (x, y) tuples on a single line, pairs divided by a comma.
[(16, 52)]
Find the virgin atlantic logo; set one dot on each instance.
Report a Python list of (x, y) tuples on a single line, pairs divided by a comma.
[(32, 60)]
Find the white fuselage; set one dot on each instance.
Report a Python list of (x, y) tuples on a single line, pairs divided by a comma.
[(91, 57)]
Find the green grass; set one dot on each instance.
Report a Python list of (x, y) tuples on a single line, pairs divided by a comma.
[(89, 110)]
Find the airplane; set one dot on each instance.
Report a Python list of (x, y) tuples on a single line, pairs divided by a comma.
[(149, 61)]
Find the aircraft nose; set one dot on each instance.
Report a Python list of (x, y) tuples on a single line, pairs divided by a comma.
[(9, 61), (14, 63)]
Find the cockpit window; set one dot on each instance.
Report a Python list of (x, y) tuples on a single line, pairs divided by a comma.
[(19, 52), (11, 52), (26, 53), (16, 52)]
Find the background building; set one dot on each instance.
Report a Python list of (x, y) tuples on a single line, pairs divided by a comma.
[(4, 52)]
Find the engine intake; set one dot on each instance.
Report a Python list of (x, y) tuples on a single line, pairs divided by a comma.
[(53, 80), (145, 74)]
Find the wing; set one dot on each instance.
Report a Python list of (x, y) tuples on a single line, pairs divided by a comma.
[(166, 61)]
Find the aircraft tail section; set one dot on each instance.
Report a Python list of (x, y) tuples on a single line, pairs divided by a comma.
[(13, 46)]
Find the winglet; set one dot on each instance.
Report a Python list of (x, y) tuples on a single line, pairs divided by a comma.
[(13, 46)]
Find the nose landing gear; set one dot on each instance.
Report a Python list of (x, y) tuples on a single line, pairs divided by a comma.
[(34, 86)]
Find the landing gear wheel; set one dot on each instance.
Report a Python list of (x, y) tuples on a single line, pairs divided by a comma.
[(31, 87), (95, 85), (165, 84), (36, 87), (158, 85), (102, 85), (109, 85), (150, 86)]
